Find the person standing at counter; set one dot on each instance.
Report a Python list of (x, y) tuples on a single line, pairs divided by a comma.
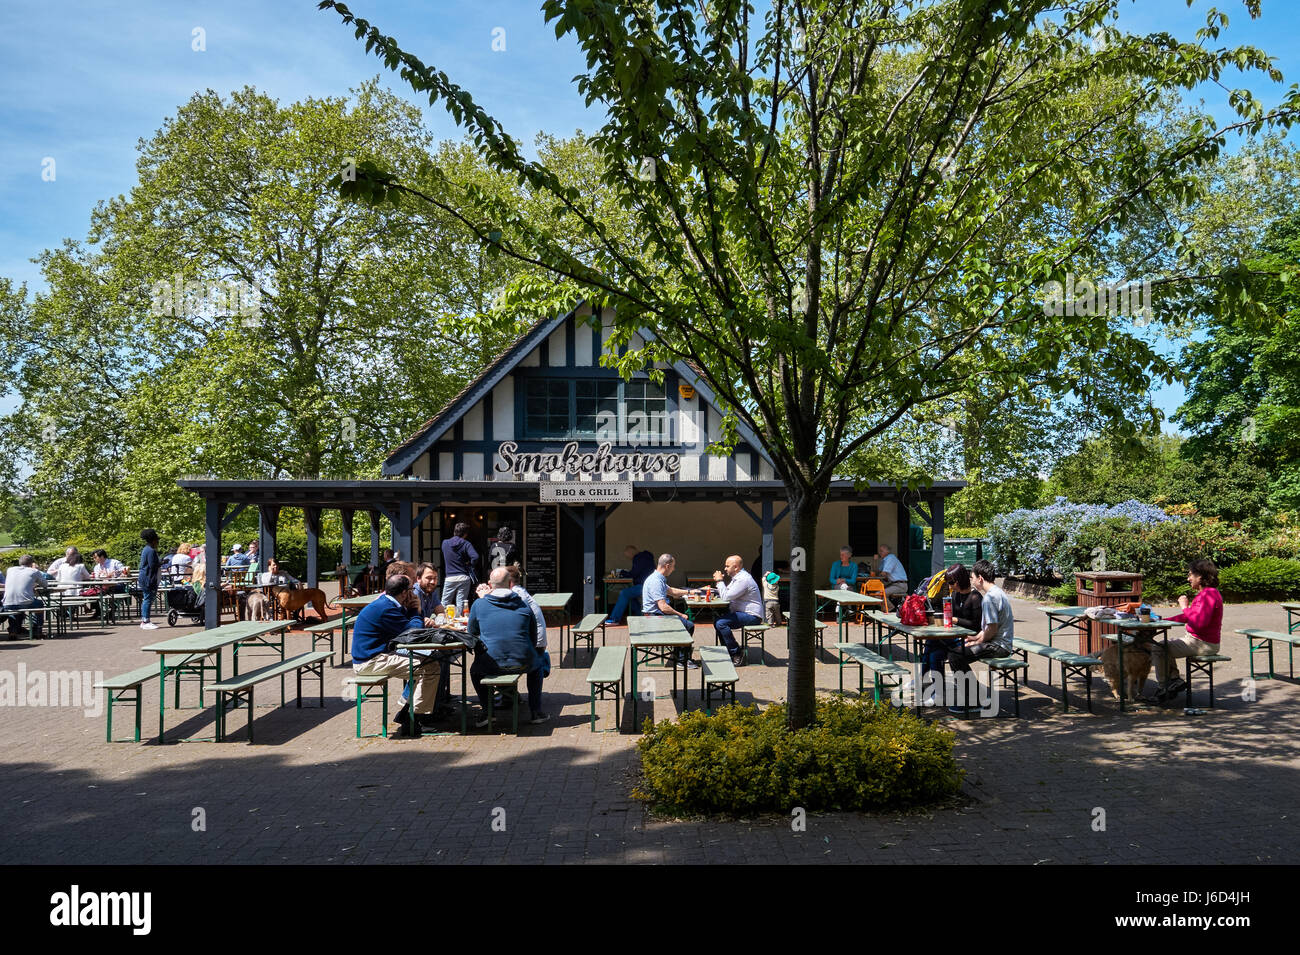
[(735, 584), (459, 560)]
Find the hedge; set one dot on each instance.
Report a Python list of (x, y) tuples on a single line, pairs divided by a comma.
[(741, 760), (1264, 578)]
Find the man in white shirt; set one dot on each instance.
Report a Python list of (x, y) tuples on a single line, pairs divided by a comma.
[(58, 562), (891, 568), (106, 567), (997, 622), (737, 586)]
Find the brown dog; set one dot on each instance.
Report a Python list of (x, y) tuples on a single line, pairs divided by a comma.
[(1137, 666), (292, 602)]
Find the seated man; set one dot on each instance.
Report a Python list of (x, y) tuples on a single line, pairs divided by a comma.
[(374, 653), (737, 586), (654, 602), (643, 565), (997, 620), (891, 568), (22, 586), (503, 632)]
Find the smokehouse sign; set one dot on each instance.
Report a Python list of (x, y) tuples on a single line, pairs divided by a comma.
[(571, 460)]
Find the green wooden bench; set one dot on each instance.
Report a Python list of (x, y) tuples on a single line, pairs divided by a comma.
[(508, 684), (883, 626), (367, 686), (1004, 666), (1203, 665), (586, 631), (1266, 639), (126, 688), (755, 631), (27, 621), (1072, 664), (717, 673), (606, 681), (324, 633), (819, 634), (239, 689), (855, 654)]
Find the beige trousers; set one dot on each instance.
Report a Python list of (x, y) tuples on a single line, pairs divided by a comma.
[(1166, 667), (394, 665)]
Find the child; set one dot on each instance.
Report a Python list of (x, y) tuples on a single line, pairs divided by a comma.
[(772, 598)]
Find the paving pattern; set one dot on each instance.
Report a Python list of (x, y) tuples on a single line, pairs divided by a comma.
[(1217, 787)]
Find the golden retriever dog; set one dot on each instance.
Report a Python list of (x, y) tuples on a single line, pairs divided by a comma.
[(292, 602), (1137, 667)]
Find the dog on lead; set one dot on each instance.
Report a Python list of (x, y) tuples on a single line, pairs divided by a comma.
[(1137, 667), (293, 602), (257, 606)]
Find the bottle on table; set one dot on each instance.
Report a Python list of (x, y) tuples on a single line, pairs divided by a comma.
[(947, 611)]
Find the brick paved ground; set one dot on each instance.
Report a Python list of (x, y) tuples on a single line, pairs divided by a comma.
[(1175, 788)]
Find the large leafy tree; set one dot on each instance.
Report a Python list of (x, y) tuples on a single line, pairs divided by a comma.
[(357, 323), (1243, 400), (846, 210)]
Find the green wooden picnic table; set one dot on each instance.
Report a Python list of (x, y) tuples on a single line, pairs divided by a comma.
[(352, 603), (917, 634), (556, 604), (695, 604), (459, 650), (848, 598), (209, 643), (1140, 629), (1065, 618), (656, 638), (1292, 611)]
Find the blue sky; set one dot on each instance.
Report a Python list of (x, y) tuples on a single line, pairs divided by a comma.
[(85, 80)]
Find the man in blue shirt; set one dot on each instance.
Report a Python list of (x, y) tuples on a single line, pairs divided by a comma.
[(891, 568), (654, 602), (378, 625), (643, 565)]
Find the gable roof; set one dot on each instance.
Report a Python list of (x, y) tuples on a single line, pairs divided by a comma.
[(403, 457)]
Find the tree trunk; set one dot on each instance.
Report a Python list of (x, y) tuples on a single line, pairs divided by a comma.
[(801, 689)]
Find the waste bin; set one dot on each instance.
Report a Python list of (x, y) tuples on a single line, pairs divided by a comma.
[(962, 550), (1103, 588)]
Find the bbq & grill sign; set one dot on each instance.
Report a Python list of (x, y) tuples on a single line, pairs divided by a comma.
[(601, 462)]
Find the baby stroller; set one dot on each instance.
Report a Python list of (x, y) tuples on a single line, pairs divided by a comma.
[(183, 601)]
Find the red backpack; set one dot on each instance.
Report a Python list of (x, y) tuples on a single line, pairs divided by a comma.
[(912, 612)]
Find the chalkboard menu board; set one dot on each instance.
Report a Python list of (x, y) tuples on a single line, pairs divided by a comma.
[(541, 548)]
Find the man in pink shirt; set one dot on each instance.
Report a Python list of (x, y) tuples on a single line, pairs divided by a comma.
[(1203, 619)]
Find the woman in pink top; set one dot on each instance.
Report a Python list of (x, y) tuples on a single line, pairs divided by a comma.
[(1203, 618)]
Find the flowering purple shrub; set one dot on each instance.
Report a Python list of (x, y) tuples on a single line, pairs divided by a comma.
[(1040, 544)]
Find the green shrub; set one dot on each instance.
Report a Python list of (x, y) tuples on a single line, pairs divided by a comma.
[(1064, 594), (42, 556), (1265, 578), (856, 756)]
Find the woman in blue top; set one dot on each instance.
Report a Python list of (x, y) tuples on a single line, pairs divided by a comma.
[(148, 579), (845, 569)]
